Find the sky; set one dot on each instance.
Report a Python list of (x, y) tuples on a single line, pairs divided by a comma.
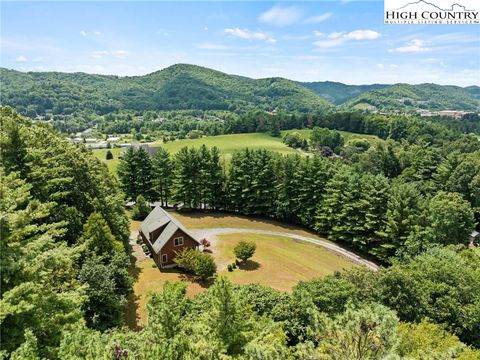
[(343, 41)]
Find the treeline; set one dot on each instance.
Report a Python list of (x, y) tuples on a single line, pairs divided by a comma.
[(64, 236), (391, 202), (415, 310)]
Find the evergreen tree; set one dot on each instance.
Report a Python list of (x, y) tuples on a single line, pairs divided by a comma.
[(162, 175)]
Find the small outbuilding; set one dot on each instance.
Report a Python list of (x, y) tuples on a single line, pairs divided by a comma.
[(164, 236)]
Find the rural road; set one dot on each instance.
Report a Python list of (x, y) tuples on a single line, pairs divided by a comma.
[(206, 233)]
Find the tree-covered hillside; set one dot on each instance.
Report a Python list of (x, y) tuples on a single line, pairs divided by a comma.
[(176, 87), (412, 97), (339, 93)]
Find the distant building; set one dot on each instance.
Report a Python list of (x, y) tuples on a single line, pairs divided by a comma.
[(113, 139), (165, 236), (452, 113)]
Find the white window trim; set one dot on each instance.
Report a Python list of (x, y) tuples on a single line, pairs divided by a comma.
[(166, 258), (178, 238)]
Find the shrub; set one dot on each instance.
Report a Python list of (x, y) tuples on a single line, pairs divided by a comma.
[(109, 155), (230, 267), (195, 262), (234, 265), (244, 250)]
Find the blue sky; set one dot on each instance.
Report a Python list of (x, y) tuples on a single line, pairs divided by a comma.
[(342, 41)]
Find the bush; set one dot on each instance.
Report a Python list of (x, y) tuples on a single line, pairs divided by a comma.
[(234, 265), (230, 267), (244, 250), (195, 262), (109, 155), (141, 209)]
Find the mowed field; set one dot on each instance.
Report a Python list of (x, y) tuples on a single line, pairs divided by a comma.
[(227, 144), (306, 133), (279, 262)]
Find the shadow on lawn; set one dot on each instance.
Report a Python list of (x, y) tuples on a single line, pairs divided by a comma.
[(189, 277), (249, 265), (131, 314)]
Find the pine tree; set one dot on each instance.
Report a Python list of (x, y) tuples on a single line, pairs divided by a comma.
[(162, 175)]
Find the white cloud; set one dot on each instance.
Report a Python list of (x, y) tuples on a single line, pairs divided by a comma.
[(83, 33), (415, 45), (21, 58), (250, 35), (97, 33), (281, 16), (363, 35), (319, 18), (338, 38), (380, 66), (104, 53), (335, 35)]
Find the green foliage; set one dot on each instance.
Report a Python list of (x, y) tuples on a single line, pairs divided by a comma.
[(323, 137), (295, 140), (141, 208), (244, 250), (368, 332), (109, 155), (429, 341), (136, 174), (60, 210), (406, 97), (196, 262), (177, 87)]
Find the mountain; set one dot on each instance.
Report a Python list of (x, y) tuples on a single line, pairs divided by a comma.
[(339, 93), (177, 87), (404, 97)]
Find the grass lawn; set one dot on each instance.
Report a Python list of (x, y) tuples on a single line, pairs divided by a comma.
[(279, 262), (227, 145)]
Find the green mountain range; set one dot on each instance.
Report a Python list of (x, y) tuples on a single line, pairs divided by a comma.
[(339, 93), (185, 86), (405, 97), (176, 87)]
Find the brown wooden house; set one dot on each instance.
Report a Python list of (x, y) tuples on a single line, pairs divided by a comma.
[(164, 236)]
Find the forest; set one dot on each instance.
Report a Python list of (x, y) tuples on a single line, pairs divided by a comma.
[(189, 87), (410, 203)]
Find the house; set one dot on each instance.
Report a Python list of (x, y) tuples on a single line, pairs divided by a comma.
[(164, 236)]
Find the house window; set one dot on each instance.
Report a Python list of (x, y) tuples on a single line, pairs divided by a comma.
[(164, 258), (178, 241)]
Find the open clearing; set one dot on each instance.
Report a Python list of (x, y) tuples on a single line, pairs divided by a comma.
[(279, 261), (227, 144)]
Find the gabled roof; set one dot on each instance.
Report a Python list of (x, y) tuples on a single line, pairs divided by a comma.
[(158, 218)]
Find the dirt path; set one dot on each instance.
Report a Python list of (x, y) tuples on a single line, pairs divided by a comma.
[(211, 234)]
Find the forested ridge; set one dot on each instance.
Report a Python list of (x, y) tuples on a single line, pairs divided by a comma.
[(189, 87), (410, 201), (174, 88), (405, 97)]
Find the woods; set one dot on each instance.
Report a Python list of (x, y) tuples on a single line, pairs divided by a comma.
[(364, 206)]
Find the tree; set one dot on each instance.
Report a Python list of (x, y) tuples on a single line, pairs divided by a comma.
[(163, 175), (141, 209), (98, 240), (109, 155), (244, 250), (450, 219), (368, 332), (323, 137)]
